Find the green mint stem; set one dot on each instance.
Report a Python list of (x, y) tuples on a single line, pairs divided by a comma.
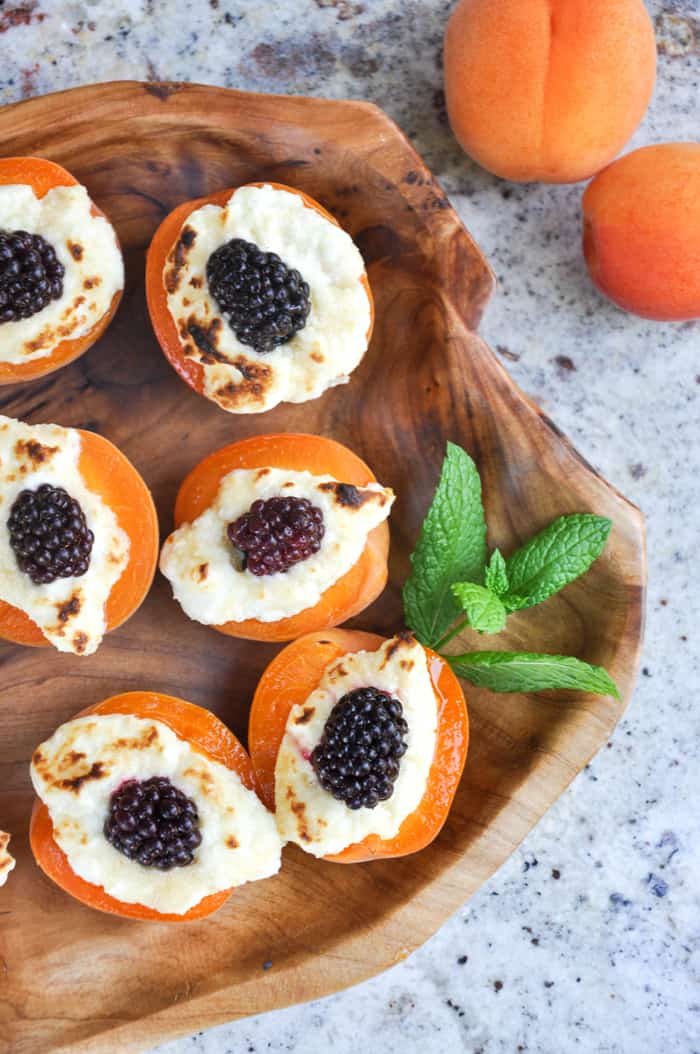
[(457, 629)]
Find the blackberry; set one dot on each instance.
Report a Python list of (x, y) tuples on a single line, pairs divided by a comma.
[(31, 275), (49, 534), (265, 302), (153, 822), (359, 755), (276, 534)]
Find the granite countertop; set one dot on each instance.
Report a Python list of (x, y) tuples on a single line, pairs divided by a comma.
[(588, 938)]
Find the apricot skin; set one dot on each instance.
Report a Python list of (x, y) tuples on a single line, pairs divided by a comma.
[(641, 231), (548, 90)]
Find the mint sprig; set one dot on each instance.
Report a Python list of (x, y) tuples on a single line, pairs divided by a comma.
[(452, 586), (523, 671), (451, 548)]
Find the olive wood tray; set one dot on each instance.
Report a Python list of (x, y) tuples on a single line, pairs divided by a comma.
[(74, 980)]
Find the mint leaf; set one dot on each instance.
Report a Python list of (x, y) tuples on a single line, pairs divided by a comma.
[(496, 574), (483, 609), (508, 671), (553, 558), (451, 548)]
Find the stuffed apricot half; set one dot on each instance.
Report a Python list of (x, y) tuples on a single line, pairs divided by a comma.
[(61, 269), (147, 809), (359, 743), (7, 861), (277, 536), (78, 536), (257, 296)]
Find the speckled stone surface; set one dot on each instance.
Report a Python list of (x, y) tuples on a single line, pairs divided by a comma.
[(588, 939)]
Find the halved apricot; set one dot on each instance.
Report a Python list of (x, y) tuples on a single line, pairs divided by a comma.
[(107, 472), (297, 671), (160, 248), (42, 175), (352, 593), (203, 731)]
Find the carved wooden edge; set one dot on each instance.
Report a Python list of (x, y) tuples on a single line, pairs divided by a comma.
[(406, 169), (304, 978)]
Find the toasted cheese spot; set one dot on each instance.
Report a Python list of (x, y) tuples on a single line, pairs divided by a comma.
[(37, 453), (350, 497), (144, 741), (231, 842), (261, 473), (76, 250), (305, 716), (80, 642), (69, 608), (71, 318), (205, 337), (203, 779), (43, 340), (406, 664), (317, 356), (196, 281), (299, 810), (92, 282), (257, 378), (73, 757), (177, 259), (202, 572), (402, 640), (96, 771)]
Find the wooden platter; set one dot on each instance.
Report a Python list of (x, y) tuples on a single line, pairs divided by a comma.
[(72, 980)]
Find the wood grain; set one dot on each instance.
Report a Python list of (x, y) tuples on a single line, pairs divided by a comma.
[(74, 980)]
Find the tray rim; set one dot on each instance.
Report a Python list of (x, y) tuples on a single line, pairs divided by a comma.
[(280, 987)]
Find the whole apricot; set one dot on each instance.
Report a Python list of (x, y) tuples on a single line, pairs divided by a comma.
[(548, 90), (641, 231)]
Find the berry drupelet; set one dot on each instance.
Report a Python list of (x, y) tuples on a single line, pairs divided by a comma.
[(31, 275), (153, 822), (49, 534), (277, 533), (359, 755), (265, 302)]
